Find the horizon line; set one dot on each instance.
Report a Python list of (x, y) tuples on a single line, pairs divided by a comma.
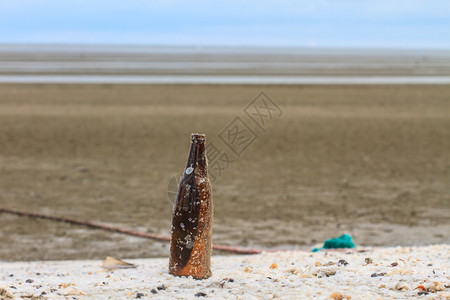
[(227, 46)]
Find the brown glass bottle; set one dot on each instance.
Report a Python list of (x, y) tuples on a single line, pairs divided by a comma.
[(190, 249)]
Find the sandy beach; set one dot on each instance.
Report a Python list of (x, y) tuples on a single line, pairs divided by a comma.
[(378, 273), (318, 138), (371, 161)]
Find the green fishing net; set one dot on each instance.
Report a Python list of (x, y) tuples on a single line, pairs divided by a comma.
[(344, 241)]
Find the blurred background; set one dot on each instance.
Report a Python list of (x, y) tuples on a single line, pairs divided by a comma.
[(98, 100)]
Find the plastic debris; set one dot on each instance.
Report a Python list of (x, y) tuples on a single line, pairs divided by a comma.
[(344, 241)]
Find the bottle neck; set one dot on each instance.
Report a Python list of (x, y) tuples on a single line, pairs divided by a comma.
[(197, 155)]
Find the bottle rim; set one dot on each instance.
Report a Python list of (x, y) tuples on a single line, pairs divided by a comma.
[(198, 137)]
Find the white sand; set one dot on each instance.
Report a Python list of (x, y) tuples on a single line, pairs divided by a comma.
[(297, 275)]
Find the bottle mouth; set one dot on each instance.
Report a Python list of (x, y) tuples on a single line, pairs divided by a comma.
[(198, 137)]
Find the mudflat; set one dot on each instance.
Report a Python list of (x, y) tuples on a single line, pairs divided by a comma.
[(369, 160)]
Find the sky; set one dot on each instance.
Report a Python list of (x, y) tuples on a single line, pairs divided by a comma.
[(320, 23)]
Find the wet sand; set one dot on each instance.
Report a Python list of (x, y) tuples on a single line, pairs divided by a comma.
[(372, 161)]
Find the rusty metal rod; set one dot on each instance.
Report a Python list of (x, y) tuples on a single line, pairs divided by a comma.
[(156, 237)]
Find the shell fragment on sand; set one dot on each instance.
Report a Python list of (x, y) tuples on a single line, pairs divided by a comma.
[(111, 263)]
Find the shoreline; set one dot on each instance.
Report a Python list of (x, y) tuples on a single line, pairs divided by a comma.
[(387, 272), (225, 80)]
